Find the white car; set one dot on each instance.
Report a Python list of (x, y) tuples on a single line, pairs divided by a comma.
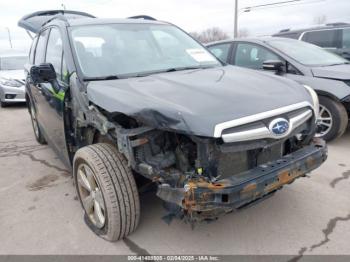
[(12, 79)]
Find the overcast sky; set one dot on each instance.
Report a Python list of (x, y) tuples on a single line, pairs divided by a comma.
[(191, 15)]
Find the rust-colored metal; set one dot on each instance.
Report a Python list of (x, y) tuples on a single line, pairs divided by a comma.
[(310, 161), (248, 190), (283, 178)]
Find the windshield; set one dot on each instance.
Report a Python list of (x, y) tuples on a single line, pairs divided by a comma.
[(127, 50), (13, 62), (307, 54)]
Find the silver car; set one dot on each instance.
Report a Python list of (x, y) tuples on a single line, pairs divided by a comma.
[(12, 79)]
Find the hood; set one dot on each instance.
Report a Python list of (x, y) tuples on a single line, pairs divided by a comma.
[(340, 72), (13, 74), (195, 101)]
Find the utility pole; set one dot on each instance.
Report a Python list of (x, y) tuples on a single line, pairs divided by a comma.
[(250, 8), (235, 32), (9, 36)]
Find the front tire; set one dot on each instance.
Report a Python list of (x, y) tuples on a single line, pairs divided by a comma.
[(107, 191), (333, 119)]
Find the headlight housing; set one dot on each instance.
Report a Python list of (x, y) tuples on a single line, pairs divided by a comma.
[(315, 101), (10, 82)]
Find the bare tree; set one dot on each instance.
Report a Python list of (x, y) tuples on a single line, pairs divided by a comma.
[(242, 33), (319, 20), (210, 35)]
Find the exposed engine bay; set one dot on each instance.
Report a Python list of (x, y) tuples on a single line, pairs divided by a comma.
[(201, 178)]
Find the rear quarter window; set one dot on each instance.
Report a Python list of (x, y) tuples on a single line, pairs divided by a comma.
[(32, 50), (41, 48)]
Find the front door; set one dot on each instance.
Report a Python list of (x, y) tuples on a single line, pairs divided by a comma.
[(51, 110)]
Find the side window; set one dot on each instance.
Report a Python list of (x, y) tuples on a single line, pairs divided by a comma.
[(253, 56), (325, 38), (221, 51), (346, 38), (32, 50), (54, 54), (40, 48), (54, 51)]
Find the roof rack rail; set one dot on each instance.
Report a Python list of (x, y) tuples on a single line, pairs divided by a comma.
[(284, 30), (337, 24), (145, 17)]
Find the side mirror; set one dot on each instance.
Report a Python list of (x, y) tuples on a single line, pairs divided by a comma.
[(273, 65), (43, 73)]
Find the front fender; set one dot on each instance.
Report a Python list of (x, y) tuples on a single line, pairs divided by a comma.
[(335, 89)]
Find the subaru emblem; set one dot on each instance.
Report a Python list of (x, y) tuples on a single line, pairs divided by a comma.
[(279, 126)]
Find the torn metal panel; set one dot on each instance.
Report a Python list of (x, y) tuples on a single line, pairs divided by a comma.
[(204, 198)]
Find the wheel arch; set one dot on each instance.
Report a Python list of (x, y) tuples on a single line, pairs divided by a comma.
[(327, 94)]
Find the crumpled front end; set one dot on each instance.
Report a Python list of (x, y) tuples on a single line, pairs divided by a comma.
[(245, 159), (201, 199)]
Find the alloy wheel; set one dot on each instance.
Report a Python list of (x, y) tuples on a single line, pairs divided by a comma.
[(324, 122), (91, 195)]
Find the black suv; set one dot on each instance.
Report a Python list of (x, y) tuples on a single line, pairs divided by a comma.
[(123, 98), (334, 37)]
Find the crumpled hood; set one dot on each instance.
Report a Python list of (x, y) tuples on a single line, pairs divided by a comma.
[(13, 74), (341, 72), (195, 101)]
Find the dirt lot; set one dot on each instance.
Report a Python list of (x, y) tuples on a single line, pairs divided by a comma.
[(40, 214)]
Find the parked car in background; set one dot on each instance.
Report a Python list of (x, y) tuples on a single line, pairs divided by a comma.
[(333, 37), (327, 73), (12, 80), (119, 98)]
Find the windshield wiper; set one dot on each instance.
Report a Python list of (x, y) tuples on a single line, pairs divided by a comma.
[(183, 68), (101, 78), (174, 69), (343, 63)]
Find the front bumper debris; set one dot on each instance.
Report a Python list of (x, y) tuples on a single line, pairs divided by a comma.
[(201, 200)]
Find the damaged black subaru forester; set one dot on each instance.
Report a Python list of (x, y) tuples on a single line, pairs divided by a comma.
[(119, 98)]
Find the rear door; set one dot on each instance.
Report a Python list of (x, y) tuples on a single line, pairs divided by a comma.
[(36, 89), (33, 22)]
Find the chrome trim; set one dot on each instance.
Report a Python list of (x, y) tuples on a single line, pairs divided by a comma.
[(253, 118), (264, 132), (300, 119)]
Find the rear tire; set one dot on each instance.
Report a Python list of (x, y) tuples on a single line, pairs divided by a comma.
[(334, 119), (115, 182), (36, 127)]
